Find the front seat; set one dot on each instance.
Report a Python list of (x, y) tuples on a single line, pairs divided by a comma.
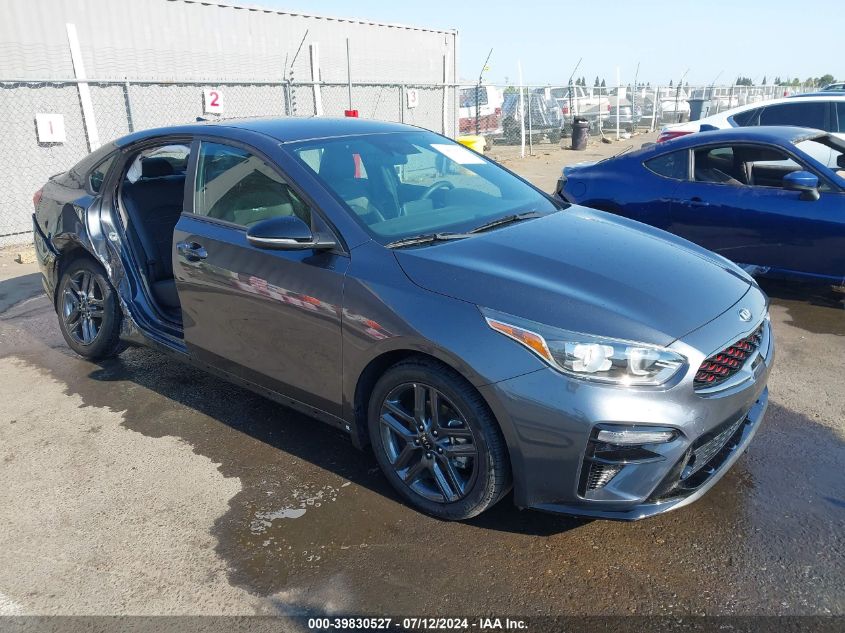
[(337, 169)]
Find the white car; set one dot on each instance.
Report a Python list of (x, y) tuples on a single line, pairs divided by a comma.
[(485, 117), (584, 101), (821, 112)]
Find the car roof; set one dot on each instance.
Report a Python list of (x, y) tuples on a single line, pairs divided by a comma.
[(839, 92), (283, 129), (831, 96), (777, 134)]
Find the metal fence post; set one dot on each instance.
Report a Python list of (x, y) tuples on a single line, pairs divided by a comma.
[(349, 72), (288, 98), (315, 78), (445, 89), (530, 126), (401, 103), (655, 109), (130, 123)]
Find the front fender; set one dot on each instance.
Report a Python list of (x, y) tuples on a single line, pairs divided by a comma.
[(385, 312)]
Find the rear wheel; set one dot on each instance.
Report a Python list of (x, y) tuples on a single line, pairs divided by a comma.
[(436, 441), (89, 314)]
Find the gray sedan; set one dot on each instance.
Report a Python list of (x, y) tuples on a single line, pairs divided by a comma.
[(478, 334)]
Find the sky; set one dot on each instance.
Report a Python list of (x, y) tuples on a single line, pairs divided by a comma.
[(707, 39)]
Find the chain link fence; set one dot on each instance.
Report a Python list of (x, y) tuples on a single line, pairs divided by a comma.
[(547, 111), (121, 107), (493, 111)]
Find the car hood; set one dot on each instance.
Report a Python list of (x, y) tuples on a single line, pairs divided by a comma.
[(585, 271)]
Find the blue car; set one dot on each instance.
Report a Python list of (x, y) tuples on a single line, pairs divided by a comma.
[(771, 199)]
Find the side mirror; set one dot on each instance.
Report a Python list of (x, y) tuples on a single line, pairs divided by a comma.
[(803, 181), (286, 233)]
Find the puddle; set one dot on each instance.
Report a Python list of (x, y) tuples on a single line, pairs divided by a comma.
[(811, 308)]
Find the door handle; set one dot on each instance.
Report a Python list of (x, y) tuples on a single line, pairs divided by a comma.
[(698, 202), (191, 251)]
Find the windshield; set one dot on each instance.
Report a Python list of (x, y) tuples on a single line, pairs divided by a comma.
[(406, 184)]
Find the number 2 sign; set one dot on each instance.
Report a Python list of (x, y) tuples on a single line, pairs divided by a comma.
[(212, 100)]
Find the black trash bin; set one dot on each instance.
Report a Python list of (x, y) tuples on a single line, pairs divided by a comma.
[(698, 109), (580, 132)]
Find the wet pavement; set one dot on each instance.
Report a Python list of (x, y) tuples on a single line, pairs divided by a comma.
[(140, 485)]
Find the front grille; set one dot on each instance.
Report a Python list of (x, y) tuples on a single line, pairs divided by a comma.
[(717, 368)]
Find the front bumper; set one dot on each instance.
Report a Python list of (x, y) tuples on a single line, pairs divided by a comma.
[(657, 503), (549, 421)]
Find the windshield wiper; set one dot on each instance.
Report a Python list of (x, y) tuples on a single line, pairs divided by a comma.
[(617, 154), (508, 219), (426, 238)]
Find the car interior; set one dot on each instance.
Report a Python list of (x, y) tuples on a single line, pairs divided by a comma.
[(151, 195), (743, 165), (399, 188), (232, 185)]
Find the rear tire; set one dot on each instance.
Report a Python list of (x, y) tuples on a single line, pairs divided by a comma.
[(88, 310), (436, 441)]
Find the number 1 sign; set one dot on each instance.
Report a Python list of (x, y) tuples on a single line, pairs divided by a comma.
[(212, 100), (50, 127)]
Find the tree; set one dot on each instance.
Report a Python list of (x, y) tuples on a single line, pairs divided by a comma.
[(603, 84), (671, 85), (765, 82), (825, 79), (596, 85)]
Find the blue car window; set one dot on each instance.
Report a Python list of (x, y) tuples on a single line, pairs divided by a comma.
[(718, 165), (673, 165)]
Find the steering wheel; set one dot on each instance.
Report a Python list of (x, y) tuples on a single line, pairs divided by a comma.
[(437, 186)]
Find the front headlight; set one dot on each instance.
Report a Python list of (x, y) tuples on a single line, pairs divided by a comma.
[(588, 356)]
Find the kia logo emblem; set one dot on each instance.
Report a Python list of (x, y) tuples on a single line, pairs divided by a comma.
[(745, 314)]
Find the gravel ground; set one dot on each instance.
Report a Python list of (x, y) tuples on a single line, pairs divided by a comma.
[(142, 486)]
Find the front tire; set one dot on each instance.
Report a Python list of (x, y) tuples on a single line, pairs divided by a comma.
[(436, 441), (88, 310)]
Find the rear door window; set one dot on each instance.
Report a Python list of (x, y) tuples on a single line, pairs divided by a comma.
[(803, 114), (99, 173), (749, 117)]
